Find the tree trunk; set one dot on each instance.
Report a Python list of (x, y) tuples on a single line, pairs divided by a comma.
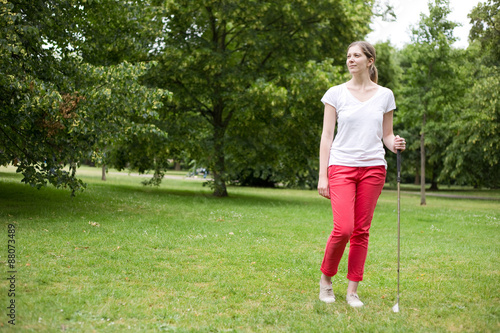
[(422, 164), (434, 182), (417, 178), (220, 189), (103, 172)]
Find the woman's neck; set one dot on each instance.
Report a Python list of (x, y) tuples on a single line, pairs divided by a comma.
[(362, 81)]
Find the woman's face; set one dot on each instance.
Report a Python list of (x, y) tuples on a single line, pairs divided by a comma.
[(357, 61)]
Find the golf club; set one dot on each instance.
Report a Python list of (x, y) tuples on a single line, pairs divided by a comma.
[(395, 308)]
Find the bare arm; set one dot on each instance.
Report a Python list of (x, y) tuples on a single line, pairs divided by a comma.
[(329, 120), (392, 142)]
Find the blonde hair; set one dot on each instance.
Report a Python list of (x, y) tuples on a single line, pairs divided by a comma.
[(369, 52)]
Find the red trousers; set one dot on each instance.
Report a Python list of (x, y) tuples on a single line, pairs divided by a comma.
[(354, 192)]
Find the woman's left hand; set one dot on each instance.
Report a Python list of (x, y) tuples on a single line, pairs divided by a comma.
[(399, 143)]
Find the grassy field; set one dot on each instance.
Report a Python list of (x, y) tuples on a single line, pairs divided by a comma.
[(124, 257)]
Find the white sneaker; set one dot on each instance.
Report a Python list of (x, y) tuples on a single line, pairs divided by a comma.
[(326, 293), (354, 301)]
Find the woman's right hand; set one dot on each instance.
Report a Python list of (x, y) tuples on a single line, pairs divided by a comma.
[(323, 188)]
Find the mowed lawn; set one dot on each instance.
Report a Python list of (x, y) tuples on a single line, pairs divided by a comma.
[(124, 257)]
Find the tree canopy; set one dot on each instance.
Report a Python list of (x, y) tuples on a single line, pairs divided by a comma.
[(234, 86), (447, 109), (473, 155), (59, 103), (231, 65)]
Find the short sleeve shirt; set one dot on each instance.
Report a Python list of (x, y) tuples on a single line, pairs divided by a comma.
[(358, 141)]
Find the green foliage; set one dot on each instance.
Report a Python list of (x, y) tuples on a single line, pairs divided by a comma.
[(218, 54), (389, 71), (36, 101), (430, 87), (474, 153), (56, 109), (485, 18), (279, 140), (120, 107), (473, 156), (447, 96), (111, 32), (87, 81)]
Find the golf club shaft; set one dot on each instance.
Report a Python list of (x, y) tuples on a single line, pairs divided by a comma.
[(399, 211)]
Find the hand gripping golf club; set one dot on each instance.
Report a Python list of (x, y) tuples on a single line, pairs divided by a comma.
[(395, 308)]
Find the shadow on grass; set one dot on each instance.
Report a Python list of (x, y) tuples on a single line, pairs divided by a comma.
[(13, 193)]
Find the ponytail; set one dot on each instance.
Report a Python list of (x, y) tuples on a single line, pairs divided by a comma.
[(374, 73)]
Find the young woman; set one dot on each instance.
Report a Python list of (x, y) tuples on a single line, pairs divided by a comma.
[(352, 164)]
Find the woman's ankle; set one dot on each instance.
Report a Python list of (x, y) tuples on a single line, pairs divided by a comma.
[(326, 280), (352, 287)]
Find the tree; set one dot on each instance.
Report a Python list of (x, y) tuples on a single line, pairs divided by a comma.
[(430, 87), (389, 75), (279, 141), (484, 18), (36, 102), (474, 153), (56, 109), (389, 70), (213, 54)]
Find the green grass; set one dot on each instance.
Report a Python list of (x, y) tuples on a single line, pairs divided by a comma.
[(124, 257)]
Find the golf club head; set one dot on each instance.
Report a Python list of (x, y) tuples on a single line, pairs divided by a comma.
[(395, 308)]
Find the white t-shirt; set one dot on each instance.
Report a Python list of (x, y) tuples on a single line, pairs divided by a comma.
[(358, 142)]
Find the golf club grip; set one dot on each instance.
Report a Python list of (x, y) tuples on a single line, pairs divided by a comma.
[(399, 165)]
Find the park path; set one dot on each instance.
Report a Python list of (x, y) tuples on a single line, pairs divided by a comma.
[(452, 196)]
